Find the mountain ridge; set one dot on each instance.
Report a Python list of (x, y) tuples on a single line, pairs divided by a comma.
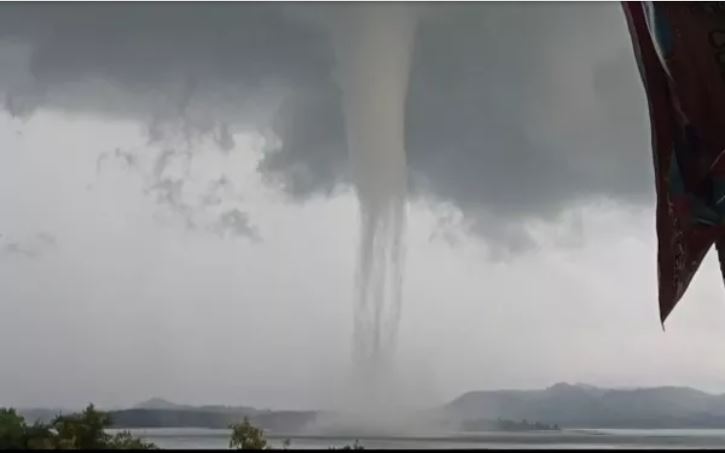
[(585, 405), (563, 405)]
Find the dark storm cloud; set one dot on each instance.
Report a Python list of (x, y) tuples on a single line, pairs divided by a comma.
[(236, 223), (193, 207), (515, 111), (128, 158), (16, 249), (30, 248), (176, 52), (232, 222)]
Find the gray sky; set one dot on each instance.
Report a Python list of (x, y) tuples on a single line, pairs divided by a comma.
[(176, 219)]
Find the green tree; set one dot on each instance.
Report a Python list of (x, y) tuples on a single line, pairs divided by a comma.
[(39, 437), (126, 442), (12, 430), (81, 431), (84, 431), (246, 437), (356, 446)]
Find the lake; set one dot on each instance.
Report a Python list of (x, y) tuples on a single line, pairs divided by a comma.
[(576, 439)]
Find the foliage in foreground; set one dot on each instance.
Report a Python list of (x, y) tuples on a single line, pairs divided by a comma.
[(80, 431), (246, 437), (354, 447), (86, 431)]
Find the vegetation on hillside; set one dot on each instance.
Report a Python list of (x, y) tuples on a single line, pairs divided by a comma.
[(505, 425)]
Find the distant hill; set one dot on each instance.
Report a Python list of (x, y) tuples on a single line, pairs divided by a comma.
[(158, 412), (212, 417), (158, 417), (561, 405), (588, 406), (157, 403), (45, 415)]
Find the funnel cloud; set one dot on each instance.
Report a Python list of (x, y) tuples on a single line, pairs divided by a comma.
[(373, 45)]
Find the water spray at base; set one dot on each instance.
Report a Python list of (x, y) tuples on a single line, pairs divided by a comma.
[(373, 46)]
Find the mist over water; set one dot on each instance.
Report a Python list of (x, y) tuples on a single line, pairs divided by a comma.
[(373, 47)]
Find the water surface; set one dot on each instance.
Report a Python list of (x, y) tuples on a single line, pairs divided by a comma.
[(575, 439)]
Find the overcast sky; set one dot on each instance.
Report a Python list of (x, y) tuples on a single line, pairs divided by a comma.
[(176, 218)]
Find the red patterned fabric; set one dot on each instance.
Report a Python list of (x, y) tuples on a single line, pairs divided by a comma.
[(680, 50)]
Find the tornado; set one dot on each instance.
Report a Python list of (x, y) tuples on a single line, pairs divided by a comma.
[(373, 48)]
